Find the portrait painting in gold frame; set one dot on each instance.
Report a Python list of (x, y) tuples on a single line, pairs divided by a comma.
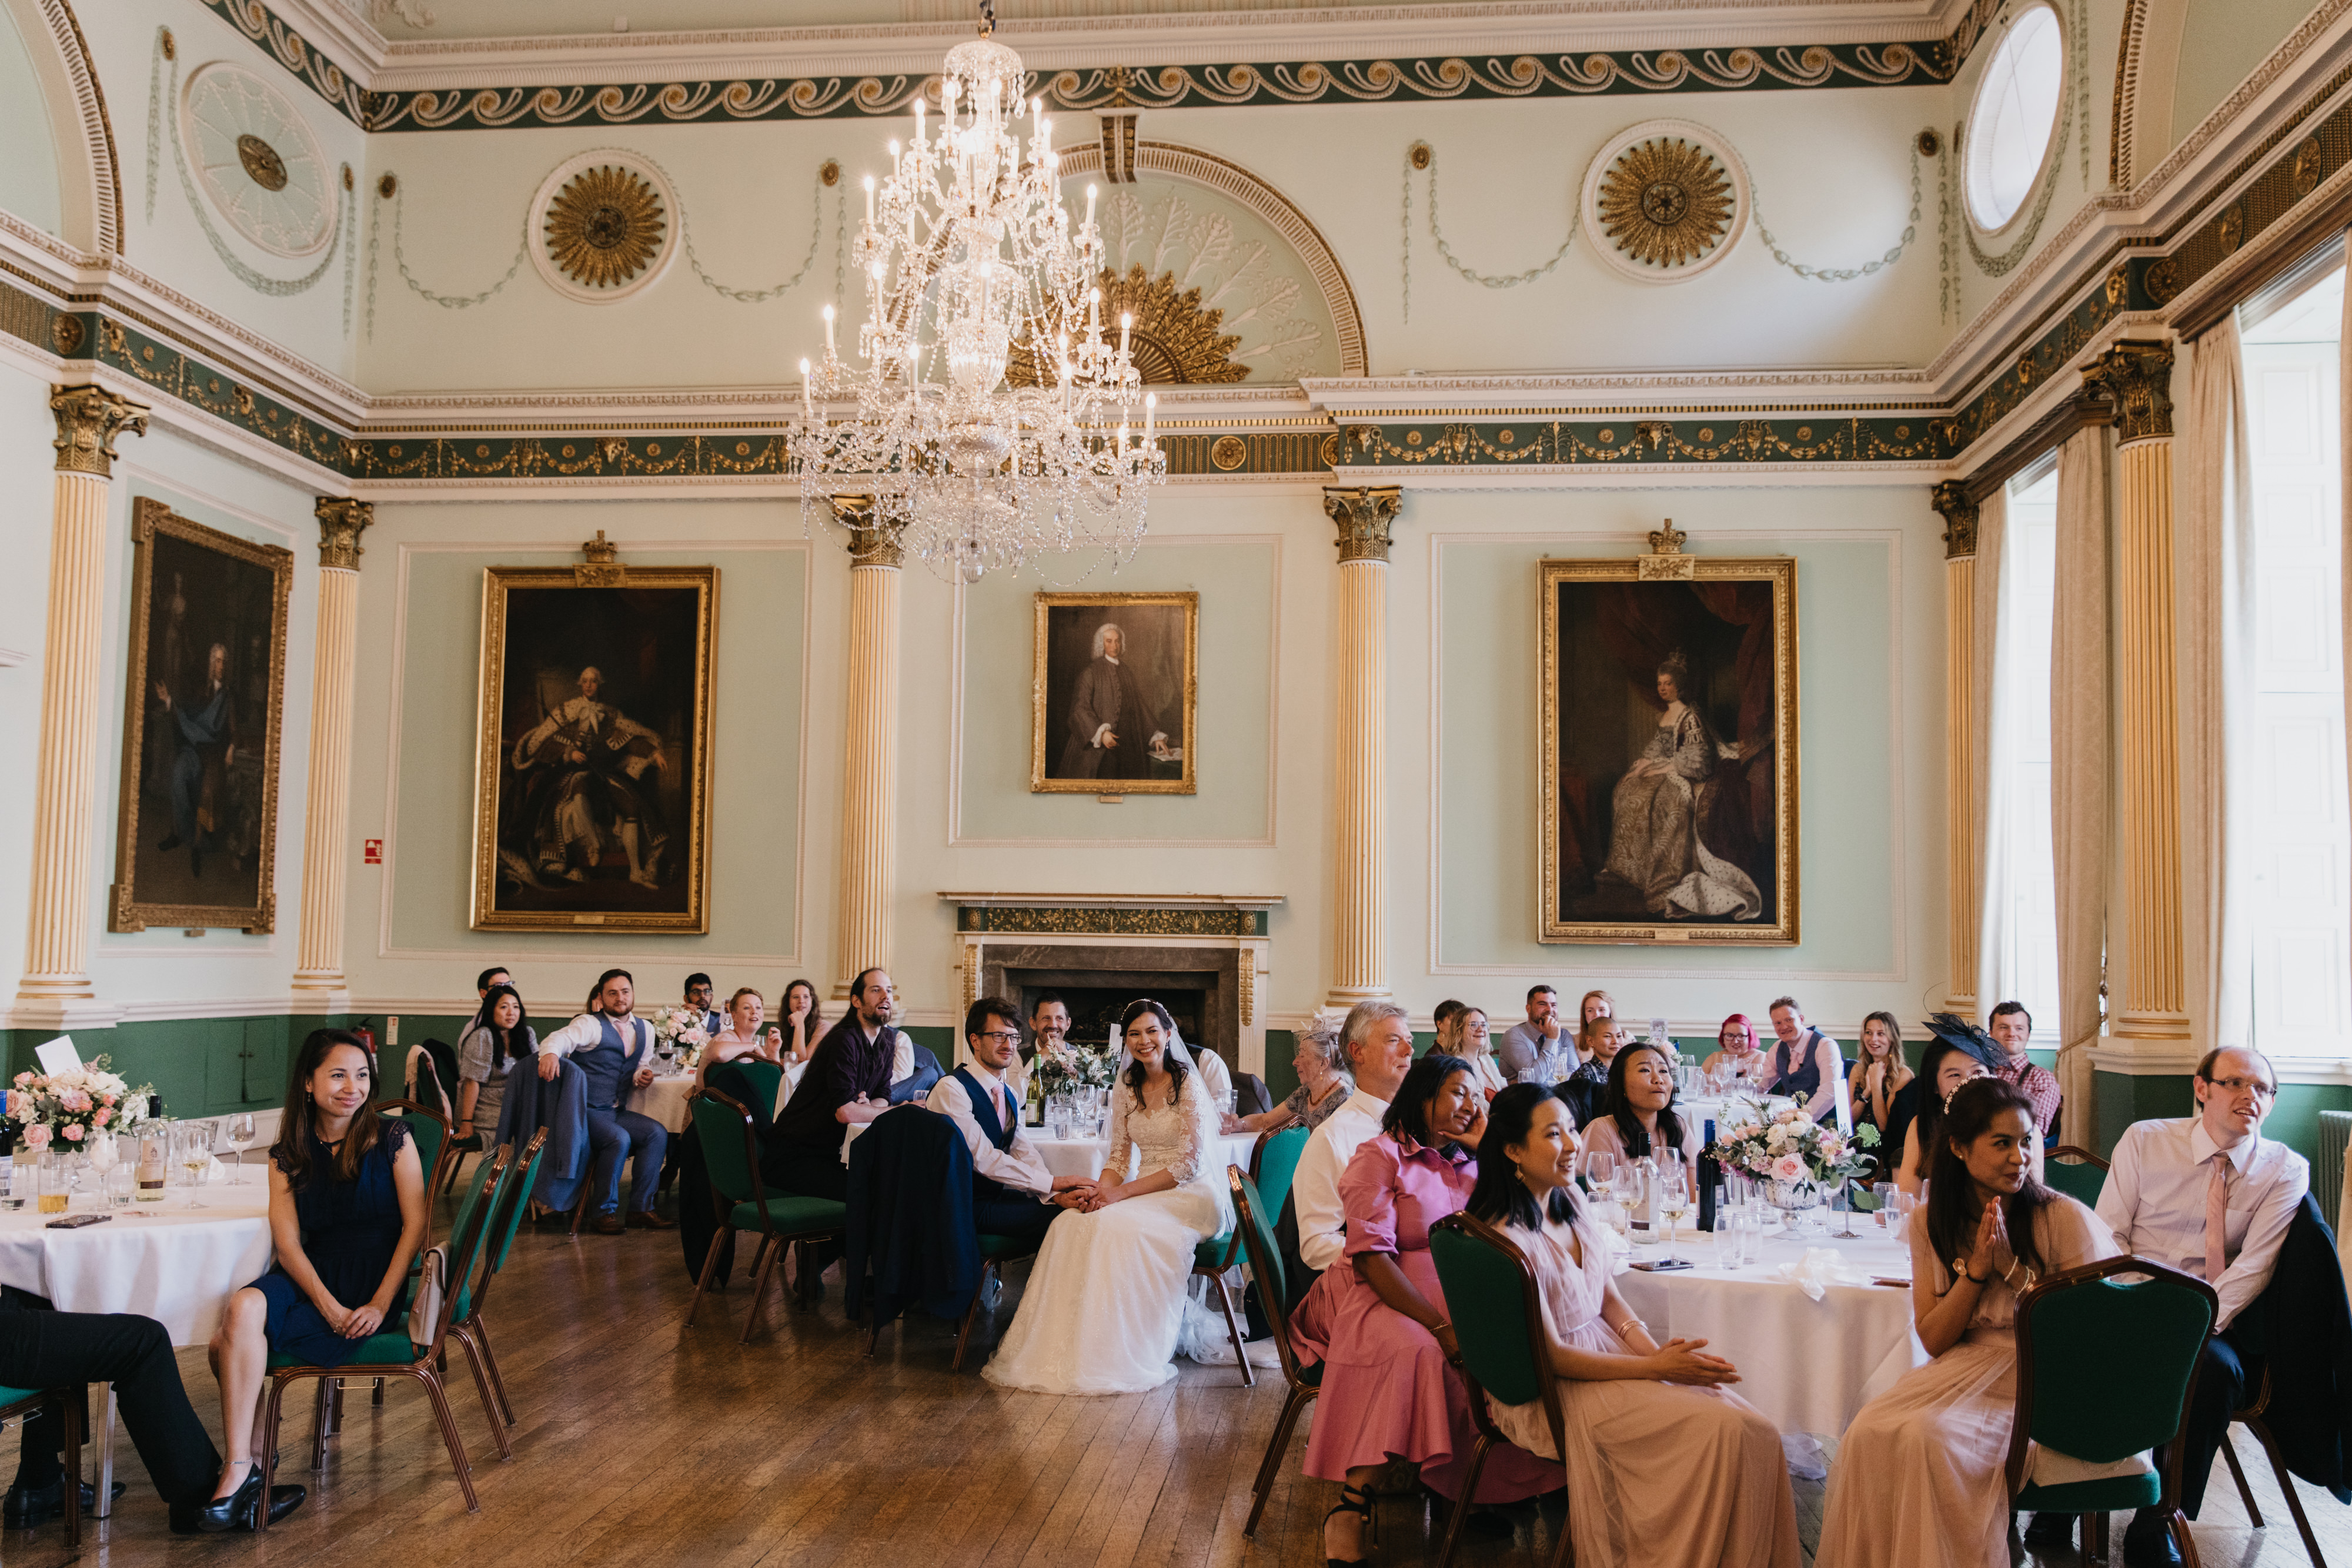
[(1669, 751), (593, 765), (197, 845), (1115, 686)]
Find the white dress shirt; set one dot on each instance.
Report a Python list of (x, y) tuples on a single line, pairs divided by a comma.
[(586, 1032), (2155, 1203), (1018, 1167), (1314, 1188)]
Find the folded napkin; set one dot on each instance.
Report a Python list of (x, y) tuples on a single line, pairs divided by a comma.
[(1817, 1270)]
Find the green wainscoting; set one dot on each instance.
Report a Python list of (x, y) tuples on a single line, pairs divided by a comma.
[(201, 1066)]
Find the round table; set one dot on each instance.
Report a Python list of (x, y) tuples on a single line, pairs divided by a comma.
[(1083, 1157), (1808, 1365), (665, 1100), (166, 1262)]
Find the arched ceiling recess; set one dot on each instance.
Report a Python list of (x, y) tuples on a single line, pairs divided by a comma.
[(1205, 222), (90, 183)]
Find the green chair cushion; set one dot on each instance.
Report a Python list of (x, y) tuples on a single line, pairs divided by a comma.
[(793, 1215), (2094, 1497), (1000, 1246), (1210, 1254), (2081, 1181), (389, 1348), (1276, 1166), (18, 1396)]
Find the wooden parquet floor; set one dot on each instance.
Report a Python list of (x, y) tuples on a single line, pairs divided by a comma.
[(643, 1442)]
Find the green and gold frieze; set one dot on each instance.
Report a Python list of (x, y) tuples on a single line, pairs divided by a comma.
[(1066, 922), (1731, 439)]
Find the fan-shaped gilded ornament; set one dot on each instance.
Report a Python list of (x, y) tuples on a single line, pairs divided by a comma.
[(1666, 199)]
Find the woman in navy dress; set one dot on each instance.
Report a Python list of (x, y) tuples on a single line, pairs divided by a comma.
[(346, 1216)]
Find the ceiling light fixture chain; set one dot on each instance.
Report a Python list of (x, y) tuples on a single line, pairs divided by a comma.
[(969, 257)]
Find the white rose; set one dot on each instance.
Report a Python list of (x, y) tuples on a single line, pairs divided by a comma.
[(134, 1107)]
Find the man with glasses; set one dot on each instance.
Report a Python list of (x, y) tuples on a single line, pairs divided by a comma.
[(2210, 1196), (1013, 1192)]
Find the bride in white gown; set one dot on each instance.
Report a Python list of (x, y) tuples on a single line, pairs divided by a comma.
[(1106, 1300)]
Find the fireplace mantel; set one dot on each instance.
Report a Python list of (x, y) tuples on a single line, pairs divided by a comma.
[(1223, 938)]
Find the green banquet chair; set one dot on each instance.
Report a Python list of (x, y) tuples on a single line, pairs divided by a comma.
[(2078, 1173), (2104, 1370), (1253, 1221), (73, 1408), (1274, 1165), (467, 1325), (1499, 1321), (730, 1152)]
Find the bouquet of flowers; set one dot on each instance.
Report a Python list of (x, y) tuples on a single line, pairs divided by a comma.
[(46, 1110), (1789, 1148), (1064, 1067), (682, 1027)]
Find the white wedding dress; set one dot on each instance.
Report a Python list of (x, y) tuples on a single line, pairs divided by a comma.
[(1106, 1300)]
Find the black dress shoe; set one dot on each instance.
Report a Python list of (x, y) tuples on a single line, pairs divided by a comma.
[(2148, 1543), (26, 1507), (283, 1500), (2051, 1533), (234, 1511)]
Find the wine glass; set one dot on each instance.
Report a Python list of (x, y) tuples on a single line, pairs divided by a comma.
[(196, 1153), (240, 1138), (1674, 1195), (1600, 1171), (103, 1156)]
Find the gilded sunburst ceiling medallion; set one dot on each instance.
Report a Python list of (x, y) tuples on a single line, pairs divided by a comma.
[(1175, 340), (604, 226), (1669, 198), (606, 223)]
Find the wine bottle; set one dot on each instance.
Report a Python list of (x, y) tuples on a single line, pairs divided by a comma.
[(1710, 1174)]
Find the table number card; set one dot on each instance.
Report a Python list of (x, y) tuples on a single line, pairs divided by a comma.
[(58, 1056)]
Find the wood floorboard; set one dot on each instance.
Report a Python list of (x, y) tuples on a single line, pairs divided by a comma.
[(641, 1442)]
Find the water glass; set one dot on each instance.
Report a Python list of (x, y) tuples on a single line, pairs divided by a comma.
[(1058, 1117), (54, 1183)]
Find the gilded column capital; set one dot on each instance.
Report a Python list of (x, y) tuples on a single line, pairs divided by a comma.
[(1365, 514), (1959, 509), (871, 543), (2136, 378), (340, 523), (89, 419)]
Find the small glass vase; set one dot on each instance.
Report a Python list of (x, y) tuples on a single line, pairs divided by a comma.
[(1799, 1201)]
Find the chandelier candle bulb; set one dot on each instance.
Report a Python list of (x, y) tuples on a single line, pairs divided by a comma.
[(828, 333), (808, 403)]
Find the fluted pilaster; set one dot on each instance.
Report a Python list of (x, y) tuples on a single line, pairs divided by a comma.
[(320, 985), (1964, 820), (869, 839), (1359, 966), (57, 935), (2137, 377)]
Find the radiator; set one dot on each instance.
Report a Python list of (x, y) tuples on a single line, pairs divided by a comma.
[(2327, 1165)]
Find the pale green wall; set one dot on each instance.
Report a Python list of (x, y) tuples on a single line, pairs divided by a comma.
[(29, 152), (2221, 44), (422, 586), (1233, 764)]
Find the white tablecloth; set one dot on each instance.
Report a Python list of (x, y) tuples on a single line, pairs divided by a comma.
[(1083, 1157), (665, 1100), (176, 1265), (1809, 1365)]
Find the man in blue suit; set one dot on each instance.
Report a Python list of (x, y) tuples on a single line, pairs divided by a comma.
[(615, 1050), (1013, 1192)]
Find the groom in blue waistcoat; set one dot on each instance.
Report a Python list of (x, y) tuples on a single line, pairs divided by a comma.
[(1013, 1192), (613, 1049)]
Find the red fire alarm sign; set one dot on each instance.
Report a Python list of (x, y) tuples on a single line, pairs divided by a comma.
[(373, 855)]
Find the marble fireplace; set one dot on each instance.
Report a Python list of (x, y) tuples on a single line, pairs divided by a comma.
[(1205, 956)]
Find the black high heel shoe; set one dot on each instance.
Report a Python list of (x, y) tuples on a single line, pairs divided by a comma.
[(234, 1511), (1352, 1502)]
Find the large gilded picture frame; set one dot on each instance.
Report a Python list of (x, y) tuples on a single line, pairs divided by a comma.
[(197, 841), (593, 769), (1117, 684), (1669, 751)]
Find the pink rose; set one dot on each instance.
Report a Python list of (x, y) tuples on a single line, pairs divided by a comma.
[(103, 1117), (24, 1080), (73, 1131), (108, 1098), (37, 1137), (1788, 1167), (75, 1100)]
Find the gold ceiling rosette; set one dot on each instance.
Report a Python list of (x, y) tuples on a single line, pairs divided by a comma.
[(606, 225), (1176, 341), (1665, 200)]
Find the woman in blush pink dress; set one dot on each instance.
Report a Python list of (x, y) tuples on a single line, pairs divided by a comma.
[(1634, 1411), (1390, 1388), (1921, 1475)]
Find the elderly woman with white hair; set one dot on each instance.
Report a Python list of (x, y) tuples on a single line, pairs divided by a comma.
[(1323, 1082)]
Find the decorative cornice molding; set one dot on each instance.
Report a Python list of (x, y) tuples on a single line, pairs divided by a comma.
[(97, 126)]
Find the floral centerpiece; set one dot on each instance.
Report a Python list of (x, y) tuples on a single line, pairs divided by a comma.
[(1792, 1155), (682, 1027), (1063, 1067), (66, 1109)]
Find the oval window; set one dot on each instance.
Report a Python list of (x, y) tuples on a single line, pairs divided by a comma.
[(2014, 116)]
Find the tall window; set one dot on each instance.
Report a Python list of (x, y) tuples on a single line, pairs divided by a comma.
[(2301, 849), (2028, 959)]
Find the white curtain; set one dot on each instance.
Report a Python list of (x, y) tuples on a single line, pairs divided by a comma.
[(2080, 814), (2216, 517), (1993, 646)]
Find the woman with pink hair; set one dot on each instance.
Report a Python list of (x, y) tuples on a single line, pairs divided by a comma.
[(1741, 1055)]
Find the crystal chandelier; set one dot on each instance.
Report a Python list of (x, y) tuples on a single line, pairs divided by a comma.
[(970, 256)]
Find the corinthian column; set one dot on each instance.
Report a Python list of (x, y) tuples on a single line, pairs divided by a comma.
[(57, 931), (870, 767), (1964, 820), (2137, 378), (1359, 956), (320, 986)]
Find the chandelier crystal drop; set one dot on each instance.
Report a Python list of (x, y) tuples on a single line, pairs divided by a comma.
[(967, 251)]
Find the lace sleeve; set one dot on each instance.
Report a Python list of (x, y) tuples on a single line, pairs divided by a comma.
[(1122, 1147), (1193, 1113)]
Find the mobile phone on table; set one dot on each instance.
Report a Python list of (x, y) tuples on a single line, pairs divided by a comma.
[(76, 1221)]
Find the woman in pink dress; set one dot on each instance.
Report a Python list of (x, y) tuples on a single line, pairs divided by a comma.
[(1390, 1387), (1633, 1410), (1921, 1475)]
